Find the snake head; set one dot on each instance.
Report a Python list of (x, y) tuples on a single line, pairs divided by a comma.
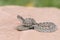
[(20, 18), (27, 21)]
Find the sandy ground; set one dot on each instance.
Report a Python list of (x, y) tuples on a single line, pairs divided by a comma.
[(9, 21)]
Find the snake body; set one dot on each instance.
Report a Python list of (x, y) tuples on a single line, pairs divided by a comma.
[(30, 23)]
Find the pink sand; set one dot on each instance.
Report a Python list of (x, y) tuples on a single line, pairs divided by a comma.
[(9, 21)]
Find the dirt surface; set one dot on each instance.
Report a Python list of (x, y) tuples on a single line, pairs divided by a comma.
[(9, 22)]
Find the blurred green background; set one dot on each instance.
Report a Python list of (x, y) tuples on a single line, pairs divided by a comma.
[(32, 3)]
